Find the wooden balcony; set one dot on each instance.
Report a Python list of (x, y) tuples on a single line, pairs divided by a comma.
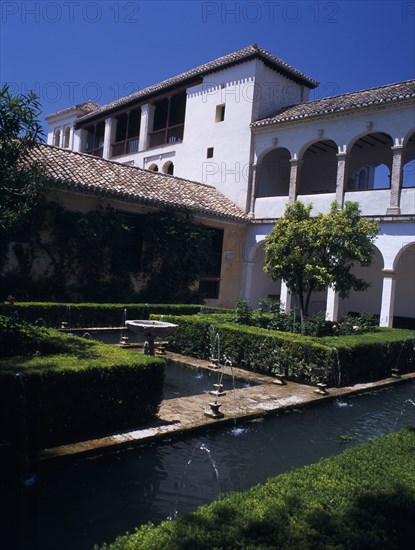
[(125, 147), (97, 152), (172, 134)]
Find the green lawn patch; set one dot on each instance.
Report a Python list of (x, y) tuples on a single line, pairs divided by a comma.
[(59, 389)]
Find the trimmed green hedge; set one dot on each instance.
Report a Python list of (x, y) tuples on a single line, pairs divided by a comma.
[(362, 498), (67, 389), (335, 360), (95, 315)]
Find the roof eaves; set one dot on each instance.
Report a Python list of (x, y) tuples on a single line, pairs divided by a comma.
[(277, 119), (193, 75), (96, 190)]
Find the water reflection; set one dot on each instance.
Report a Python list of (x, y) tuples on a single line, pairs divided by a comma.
[(73, 506)]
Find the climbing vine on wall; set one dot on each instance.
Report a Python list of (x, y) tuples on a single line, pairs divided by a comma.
[(176, 252), (66, 255)]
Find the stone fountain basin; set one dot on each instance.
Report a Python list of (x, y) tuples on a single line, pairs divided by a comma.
[(151, 328)]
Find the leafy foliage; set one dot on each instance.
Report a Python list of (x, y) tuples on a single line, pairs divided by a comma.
[(335, 360), (362, 498), (73, 388), (313, 253), (104, 255), (21, 179), (175, 255), (270, 314)]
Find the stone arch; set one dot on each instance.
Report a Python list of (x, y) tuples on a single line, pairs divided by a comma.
[(153, 167), (370, 300), (168, 168), (402, 253), (261, 285), (371, 156), (318, 172), (404, 264), (410, 135), (67, 137), (57, 138), (408, 162), (273, 173)]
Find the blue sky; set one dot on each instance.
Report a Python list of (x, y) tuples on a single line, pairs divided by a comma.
[(76, 50)]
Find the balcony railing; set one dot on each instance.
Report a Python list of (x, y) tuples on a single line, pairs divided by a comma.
[(125, 147), (167, 135), (98, 152)]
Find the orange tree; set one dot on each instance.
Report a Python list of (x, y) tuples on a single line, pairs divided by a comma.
[(312, 253)]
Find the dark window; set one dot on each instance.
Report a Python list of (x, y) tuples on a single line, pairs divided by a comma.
[(94, 143), (209, 283), (134, 124), (209, 153), (177, 109), (121, 130), (220, 113), (160, 114)]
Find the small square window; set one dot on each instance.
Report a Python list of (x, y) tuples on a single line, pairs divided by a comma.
[(209, 153), (220, 113)]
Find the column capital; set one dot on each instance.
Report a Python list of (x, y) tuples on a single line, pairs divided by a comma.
[(295, 161), (342, 155), (389, 272)]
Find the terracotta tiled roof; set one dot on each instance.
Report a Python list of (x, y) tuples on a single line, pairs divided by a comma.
[(244, 54), (84, 108), (83, 173), (390, 93)]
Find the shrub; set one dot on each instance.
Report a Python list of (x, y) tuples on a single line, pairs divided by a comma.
[(362, 498), (67, 389), (337, 361), (94, 315)]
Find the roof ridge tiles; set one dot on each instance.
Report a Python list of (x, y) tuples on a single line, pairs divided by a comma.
[(113, 179), (326, 105), (243, 54)]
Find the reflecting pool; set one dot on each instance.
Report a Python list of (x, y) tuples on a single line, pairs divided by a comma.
[(72, 505)]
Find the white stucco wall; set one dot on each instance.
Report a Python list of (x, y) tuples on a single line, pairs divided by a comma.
[(228, 168)]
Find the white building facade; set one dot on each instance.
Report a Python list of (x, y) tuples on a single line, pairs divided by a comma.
[(243, 123)]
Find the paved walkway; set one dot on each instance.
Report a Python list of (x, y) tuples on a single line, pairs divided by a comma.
[(187, 414)]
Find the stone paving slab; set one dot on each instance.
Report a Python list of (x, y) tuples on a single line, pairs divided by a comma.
[(187, 414)]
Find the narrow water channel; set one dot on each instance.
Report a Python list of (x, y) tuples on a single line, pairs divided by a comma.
[(73, 505)]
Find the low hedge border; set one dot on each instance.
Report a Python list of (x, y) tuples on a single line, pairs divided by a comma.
[(76, 389), (335, 360), (95, 315), (362, 498)]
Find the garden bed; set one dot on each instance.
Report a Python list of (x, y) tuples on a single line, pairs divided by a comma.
[(57, 389), (334, 360)]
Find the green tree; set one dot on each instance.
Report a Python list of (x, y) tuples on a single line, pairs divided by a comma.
[(21, 178), (312, 253)]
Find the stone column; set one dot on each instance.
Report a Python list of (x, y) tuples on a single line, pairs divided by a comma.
[(147, 117), (106, 154), (388, 298), (396, 179), (252, 191), (341, 174), (285, 297), (332, 307), (294, 177), (79, 140), (247, 279)]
